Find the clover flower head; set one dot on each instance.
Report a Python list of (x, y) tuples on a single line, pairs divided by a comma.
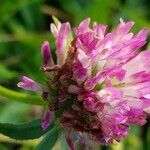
[(99, 84)]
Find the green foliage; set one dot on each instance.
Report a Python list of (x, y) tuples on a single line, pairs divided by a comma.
[(19, 112), (21, 97), (3, 147), (24, 131), (9, 8), (64, 145), (50, 139), (6, 74)]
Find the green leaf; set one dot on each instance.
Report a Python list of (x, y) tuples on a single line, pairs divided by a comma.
[(9, 8), (3, 147), (64, 145), (50, 139), (6, 74), (18, 111), (30, 130)]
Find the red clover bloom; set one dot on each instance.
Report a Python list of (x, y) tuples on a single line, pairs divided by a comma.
[(100, 82)]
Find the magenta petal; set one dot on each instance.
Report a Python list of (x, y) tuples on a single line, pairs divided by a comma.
[(61, 40), (70, 142), (123, 28), (136, 116), (47, 120), (144, 64), (79, 72), (109, 94), (89, 102), (83, 27), (28, 84), (100, 30), (46, 53), (91, 83), (142, 34)]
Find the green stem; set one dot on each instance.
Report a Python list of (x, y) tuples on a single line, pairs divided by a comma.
[(21, 97)]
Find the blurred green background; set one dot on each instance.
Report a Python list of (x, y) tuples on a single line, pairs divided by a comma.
[(25, 24)]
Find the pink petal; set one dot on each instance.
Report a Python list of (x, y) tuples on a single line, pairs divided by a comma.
[(47, 120), (29, 84), (100, 30), (83, 27), (109, 94), (91, 83), (62, 37), (136, 116), (61, 42), (123, 28), (83, 58), (139, 63), (70, 142), (46, 53), (79, 73)]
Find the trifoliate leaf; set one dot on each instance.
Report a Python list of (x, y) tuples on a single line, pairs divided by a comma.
[(50, 139), (30, 130)]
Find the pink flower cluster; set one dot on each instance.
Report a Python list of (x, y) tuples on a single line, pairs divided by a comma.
[(100, 82)]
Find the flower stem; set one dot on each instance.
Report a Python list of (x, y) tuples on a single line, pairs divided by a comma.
[(21, 97)]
